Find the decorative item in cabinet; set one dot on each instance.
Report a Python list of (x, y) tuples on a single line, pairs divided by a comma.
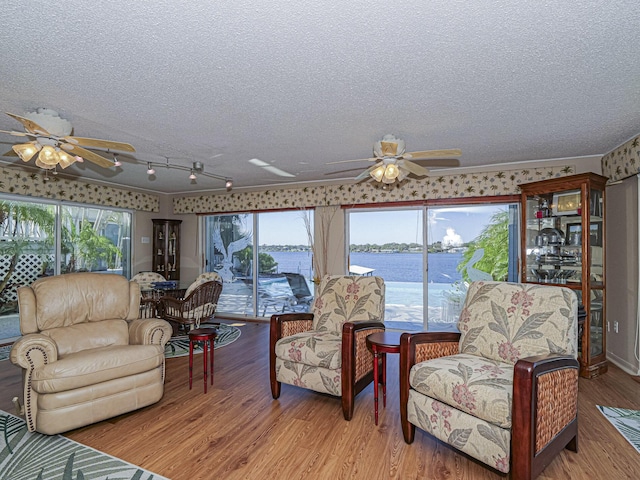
[(166, 248), (562, 240)]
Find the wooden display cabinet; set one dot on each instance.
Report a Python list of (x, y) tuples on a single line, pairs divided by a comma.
[(562, 243), (166, 248)]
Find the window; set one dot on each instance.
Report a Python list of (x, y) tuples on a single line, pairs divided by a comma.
[(428, 255), (40, 238), (272, 247)]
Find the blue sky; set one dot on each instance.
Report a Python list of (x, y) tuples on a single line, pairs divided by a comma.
[(384, 226)]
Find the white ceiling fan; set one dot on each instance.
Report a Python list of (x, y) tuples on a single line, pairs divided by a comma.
[(53, 144), (270, 168), (393, 163)]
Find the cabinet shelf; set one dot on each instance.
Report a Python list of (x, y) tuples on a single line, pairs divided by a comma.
[(557, 250), (166, 244)]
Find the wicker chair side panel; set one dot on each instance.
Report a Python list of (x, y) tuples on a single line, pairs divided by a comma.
[(428, 351), (364, 357), (299, 326), (557, 404)]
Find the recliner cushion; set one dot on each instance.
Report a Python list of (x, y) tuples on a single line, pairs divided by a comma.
[(508, 321), (90, 367), (85, 336), (476, 385), (313, 348)]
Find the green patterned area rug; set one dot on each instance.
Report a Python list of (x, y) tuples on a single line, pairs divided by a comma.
[(627, 422), (179, 346), (33, 456)]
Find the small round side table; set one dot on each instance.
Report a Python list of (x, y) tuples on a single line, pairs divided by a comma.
[(380, 344), (207, 336)]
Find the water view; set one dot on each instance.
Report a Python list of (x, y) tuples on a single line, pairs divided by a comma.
[(402, 273)]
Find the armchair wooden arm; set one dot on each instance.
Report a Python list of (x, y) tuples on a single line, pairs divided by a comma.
[(545, 411), (357, 361), (416, 348), (284, 325)]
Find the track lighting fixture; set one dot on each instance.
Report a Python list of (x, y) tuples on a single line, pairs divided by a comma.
[(195, 170), (116, 162)]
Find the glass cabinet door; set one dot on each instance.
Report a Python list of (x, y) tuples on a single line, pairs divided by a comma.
[(562, 240), (554, 239)]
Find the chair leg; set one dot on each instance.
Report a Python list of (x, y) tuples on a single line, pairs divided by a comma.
[(347, 407), (275, 389), (408, 431)]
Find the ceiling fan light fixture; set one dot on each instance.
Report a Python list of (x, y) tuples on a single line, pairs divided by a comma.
[(391, 172), (49, 156), (377, 173), (43, 165), (65, 159), (150, 170), (26, 151)]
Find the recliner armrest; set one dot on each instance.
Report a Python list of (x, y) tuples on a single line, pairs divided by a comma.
[(545, 408), (149, 331), (33, 350), (286, 324)]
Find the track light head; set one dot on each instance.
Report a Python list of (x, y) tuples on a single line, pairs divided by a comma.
[(150, 170)]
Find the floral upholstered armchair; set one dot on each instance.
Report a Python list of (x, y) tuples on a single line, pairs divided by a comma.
[(505, 389), (326, 350)]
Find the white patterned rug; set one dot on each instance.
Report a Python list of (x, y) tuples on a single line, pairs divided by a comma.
[(33, 456), (627, 422)]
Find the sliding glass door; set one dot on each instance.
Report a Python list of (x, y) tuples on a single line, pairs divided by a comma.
[(39, 239), (264, 260), (428, 255)]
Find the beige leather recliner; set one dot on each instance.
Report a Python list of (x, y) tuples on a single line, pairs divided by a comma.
[(84, 353)]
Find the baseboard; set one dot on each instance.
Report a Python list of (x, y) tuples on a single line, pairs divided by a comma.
[(633, 370)]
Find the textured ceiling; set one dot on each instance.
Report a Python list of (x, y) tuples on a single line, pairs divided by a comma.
[(301, 83)]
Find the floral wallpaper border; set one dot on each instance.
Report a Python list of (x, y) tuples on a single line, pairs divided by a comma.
[(623, 161), (33, 184), (466, 185)]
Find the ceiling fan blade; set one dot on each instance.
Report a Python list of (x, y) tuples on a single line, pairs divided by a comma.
[(97, 143), (349, 161), (452, 152), (17, 134), (87, 155), (366, 173), (30, 125), (345, 171), (277, 171), (413, 168), (436, 162)]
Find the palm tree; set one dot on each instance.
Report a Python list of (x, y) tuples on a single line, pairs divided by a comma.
[(24, 227)]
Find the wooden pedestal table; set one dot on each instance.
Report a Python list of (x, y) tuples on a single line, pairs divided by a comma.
[(207, 336), (380, 344)]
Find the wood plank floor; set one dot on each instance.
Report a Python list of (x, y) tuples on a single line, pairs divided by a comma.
[(237, 431)]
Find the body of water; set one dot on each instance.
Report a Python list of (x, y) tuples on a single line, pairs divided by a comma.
[(393, 267)]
